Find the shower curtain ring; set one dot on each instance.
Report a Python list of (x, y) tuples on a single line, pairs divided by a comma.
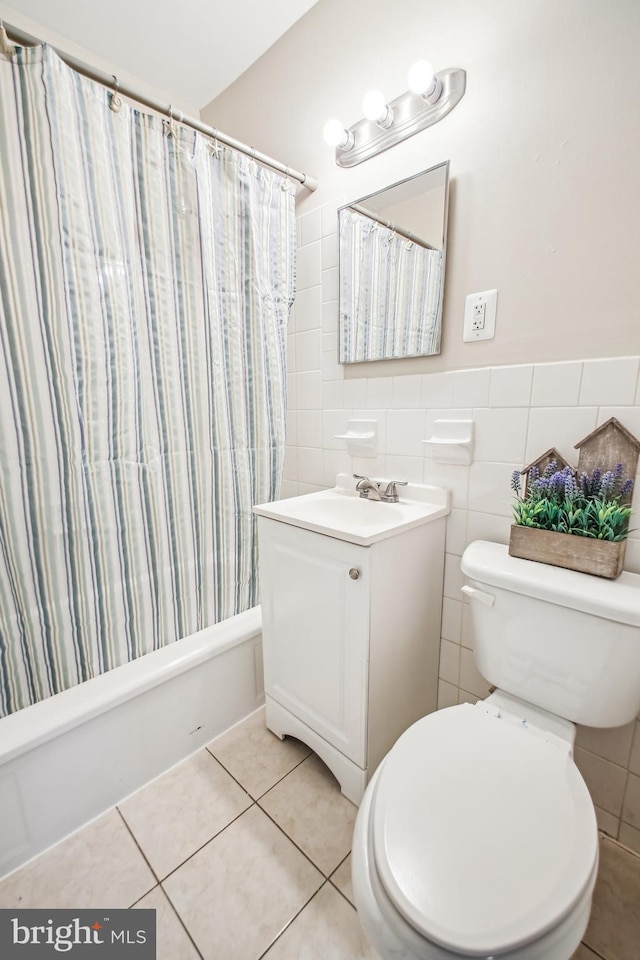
[(214, 146), (286, 183), (170, 130), (115, 100)]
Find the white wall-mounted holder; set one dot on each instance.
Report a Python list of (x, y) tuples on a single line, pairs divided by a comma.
[(452, 441), (361, 437)]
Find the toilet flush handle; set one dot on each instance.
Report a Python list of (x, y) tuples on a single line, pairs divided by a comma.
[(474, 594)]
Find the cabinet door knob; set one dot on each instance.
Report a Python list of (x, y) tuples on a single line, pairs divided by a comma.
[(353, 573)]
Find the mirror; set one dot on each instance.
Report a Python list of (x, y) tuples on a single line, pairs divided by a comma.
[(392, 259)]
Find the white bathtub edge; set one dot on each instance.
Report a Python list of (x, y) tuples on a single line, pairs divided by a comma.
[(84, 751), (39, 723)]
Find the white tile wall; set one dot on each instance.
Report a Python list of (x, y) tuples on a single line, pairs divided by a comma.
[(511, 386), (519, 411), (609, 381), (556, 384)]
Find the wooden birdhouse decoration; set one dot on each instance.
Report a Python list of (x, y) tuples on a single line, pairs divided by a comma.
[(543, 461), (608, 445)]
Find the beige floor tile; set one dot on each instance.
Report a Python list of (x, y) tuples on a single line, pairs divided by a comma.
[(175, 815), (341, 878), (614, 927), (172, 941), (255, 756), (309, 807), (238, 892), (583, 953), (327, 929), (99, 866)]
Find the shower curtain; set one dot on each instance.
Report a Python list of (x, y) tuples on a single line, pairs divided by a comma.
[(390, 292), (146, 278)]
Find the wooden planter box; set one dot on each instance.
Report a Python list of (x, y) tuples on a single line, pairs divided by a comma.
[(602, 558)]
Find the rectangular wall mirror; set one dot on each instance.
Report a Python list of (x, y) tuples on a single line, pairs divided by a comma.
[(392, 260)]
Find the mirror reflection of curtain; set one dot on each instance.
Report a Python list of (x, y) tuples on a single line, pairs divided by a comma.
[(145, 286), (390, 292)]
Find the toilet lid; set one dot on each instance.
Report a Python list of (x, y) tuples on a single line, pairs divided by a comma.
[(483, 831)]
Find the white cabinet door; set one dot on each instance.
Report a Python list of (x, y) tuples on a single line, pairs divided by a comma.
[(315, 610)]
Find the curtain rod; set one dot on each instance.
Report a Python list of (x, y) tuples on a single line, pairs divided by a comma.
[(107, 80), (390, 226)]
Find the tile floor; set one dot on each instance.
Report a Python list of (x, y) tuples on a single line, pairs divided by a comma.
[(243, 850)]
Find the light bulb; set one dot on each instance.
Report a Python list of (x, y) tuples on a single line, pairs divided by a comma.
[(422, 81), (374, 107), (335, 134)]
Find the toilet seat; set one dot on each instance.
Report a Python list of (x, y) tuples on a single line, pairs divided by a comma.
[(483, 831)]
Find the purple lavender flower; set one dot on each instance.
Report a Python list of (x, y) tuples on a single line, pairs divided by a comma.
[(585, 486), (557, 482), (541, 485), (570, 487), (550, 469), (515, 481), (606, 484), (626, 488)]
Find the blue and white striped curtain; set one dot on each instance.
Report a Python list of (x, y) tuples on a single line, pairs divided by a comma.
[(390, 292), (146, 278)]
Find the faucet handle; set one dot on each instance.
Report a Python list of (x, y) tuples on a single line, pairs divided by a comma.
[(390, 494), (357, 476)]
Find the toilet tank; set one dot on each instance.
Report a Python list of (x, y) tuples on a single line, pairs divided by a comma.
[(565, 641)]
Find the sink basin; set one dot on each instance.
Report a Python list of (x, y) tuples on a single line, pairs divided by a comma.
[(342, 514)]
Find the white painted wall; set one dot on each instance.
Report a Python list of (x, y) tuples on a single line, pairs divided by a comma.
[(546, 198)]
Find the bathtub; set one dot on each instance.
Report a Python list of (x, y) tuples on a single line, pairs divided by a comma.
[(69, 758)]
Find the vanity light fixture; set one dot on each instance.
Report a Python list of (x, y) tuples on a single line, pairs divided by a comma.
[(431, 96)]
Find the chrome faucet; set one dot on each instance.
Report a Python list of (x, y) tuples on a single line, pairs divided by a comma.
[(374, 490), (368, 489), (390, 494)]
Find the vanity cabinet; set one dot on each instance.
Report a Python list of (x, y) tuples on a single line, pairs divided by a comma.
[(351, 639)]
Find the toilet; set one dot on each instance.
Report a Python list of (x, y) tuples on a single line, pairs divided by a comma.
[(477, 836)]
